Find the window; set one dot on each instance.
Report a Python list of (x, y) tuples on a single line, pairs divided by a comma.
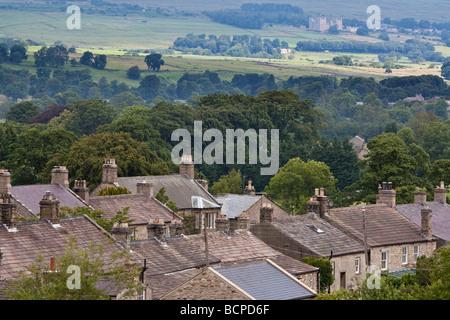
[(332, 267), (357, 265), (384, 260), (404, 255), (416, 253), (211, 220)]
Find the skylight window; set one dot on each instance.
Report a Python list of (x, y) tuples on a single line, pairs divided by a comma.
[(314, 228)]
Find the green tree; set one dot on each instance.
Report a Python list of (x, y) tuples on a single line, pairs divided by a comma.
[(230, 183), (134, 73), (445, 69), (100, 61), (149, 86), (22, 112), (164, 199), (154, 61), (326, 271), (295, 182), (112, 191), (40, 282), (17, 53), (87, 58), (86, 157)]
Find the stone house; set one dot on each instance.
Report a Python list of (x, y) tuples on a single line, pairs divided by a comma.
[(27, 197), (262, 280), (440, 213), (190, 195), (311, 236), (22, 242), (175, 260), (237, 206), (393, 241)]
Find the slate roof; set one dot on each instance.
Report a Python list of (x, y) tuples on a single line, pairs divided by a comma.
[(264, 281), (22, 248), (142, 208), (440, 216), (384, 225), (327, 238), (234, 204), (179, 188), (178, 259), (31, 195)]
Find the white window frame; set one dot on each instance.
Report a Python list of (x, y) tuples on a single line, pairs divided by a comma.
[(404, 255), (416, 252), (357, 265), (384, 262)]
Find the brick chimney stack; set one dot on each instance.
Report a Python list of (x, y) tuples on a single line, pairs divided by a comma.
[(49, 208), (5, 182), (420, 197), (60, 175), (81, 190), (145, 187), (222, 224), (426, 224), (386, 194), (121, 232), (440, 193), (187, 165), (157, 229), (8, 215), (266, 213), (109, 171)]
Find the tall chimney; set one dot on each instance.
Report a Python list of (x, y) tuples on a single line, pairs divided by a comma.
[(5, 182), (440, 193), (157, 229), (420, 197), (187, 165), (109, 171), (49, 208), (121, 232), (426, 224), (145, 188), (323, 203), (387, 195), (266, 213), (249, 189), (8, 214), (60, 175), (81, 190)]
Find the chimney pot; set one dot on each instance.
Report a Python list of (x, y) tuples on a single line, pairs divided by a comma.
[(49, 208), (109, 171), (121, 232), (81, 190), (387, 195), (8, 214), (440, 193), (157, 229), (145, 188), (5, 182), (420, 197)]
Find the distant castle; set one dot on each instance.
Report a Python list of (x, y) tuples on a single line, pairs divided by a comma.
[(321, 24)]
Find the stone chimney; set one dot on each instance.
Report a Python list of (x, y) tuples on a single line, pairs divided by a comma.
[(426, 224), (203, 183), (175, 228), (109, 171), (420, 197), (121, 232), (266, 213), (222, 224), (8, 215), (145, 188), (440, 193), (49, 208), (187, 165), (319, 203), (60, 175), (386, 194), (243, 221), (5, 182), (249, 189), (81, 190), (157, 229)]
